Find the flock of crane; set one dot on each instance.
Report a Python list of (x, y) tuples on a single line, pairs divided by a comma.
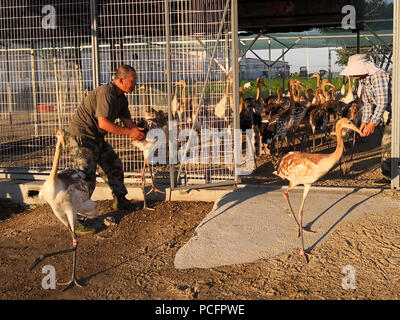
[(275, 119)]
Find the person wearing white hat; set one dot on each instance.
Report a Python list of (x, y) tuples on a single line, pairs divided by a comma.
[(376, 95)]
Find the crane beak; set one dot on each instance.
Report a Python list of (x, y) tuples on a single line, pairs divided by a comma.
[(358, 131), (354, 128), (327, 83)]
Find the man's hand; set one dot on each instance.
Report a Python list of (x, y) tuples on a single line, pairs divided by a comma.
[(367, 129), (136, 133)]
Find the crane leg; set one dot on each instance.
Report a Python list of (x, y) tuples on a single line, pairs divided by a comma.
[(144, 186), (342, 161), (153, 186), (73, 281), (253, 151), (286, 196), (313, 141), (354, 144), (300, 226)]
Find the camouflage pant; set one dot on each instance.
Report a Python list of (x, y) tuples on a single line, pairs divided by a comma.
[(87, 155)]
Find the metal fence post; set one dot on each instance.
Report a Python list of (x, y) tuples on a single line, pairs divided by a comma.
[(235, 94), (269, 66), (396, 98), (9, 94), (169, 90), (58, 91), (34, 95), (78, 72), (284, 70), (95, 47)]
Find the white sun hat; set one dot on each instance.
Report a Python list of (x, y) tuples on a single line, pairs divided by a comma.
[(358, 65)]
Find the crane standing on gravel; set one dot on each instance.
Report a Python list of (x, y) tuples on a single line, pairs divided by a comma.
[(67, 194)]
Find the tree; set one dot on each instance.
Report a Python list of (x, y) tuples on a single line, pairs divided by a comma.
[(371, 10), (344, 53)]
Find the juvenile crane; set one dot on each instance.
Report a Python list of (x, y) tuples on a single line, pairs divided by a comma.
[(306, 168), (67, 193), (153, 120)]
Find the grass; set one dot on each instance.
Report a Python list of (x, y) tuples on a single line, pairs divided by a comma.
[(217, 87), (277, 82)]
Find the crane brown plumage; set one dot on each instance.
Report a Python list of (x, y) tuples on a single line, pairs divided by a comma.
[(306, 168)]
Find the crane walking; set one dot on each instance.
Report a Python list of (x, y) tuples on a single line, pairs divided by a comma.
[(306, 168), (67, 193)]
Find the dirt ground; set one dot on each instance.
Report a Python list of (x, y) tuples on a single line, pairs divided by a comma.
[(134, 259)]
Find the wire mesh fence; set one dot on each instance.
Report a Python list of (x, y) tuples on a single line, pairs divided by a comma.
[(48, 54), (44, 72)]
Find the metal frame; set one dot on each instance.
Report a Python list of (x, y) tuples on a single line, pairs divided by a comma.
[(202, 95), (395, 183), (53, 56), (31, 56)]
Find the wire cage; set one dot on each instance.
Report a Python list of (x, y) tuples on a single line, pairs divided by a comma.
[(52, 55)]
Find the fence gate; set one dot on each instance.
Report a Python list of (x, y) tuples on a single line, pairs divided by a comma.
[(51, 55)]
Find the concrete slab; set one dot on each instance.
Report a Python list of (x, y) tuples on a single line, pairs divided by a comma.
[(252, 223), (26, 192)]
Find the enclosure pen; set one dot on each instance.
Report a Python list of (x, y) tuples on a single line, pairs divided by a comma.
[(52, 55), (44, 71)]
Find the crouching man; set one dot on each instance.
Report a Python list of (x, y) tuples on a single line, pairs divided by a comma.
[(85, 136)]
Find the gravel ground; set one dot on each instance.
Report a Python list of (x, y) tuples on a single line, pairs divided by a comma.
[(133, 259)]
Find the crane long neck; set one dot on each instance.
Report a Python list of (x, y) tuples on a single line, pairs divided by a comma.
[(291, 97), (195, 99), (317, 98), (241, 102), (350, 88), (297, 93), (337, 154), (258, 97), (307, 94), (54, 168), (183, 98), (278, 91)]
